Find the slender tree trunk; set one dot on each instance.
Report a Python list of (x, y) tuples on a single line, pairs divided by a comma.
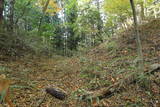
[(41, 19), (100, 22), (1, 12), (138, 41), (145, 8), (40, 23), (142, 10), (11, 15)]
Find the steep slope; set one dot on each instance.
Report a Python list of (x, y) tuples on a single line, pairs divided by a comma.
[(116, 60)]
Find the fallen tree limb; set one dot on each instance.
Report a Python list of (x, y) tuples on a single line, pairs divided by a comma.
[(154, 68), (107, 92)]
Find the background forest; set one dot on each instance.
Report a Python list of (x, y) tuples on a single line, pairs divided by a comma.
[(103, 53), (66, 26)]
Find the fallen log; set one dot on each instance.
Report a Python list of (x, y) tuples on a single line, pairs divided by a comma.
[(154, 68), (107, 92), (57, 93)]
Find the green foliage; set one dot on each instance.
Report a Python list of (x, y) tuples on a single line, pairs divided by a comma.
[(68, 25), (79, 28), (70, 5), (119, 10), (87, 27), (111, 45), (121, 7), (47, 30), (39, 45), (88, 98), (144, 81), (88, 20), (27, 15), (93, 73), (3, 69), (137, 104), (118, 7)]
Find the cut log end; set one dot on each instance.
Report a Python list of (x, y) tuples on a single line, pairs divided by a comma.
[(57, 93)]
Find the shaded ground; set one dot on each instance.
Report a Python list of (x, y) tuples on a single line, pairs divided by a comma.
[(31, 77)]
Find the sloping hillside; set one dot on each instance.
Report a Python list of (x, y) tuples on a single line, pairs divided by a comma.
[(116, 60)]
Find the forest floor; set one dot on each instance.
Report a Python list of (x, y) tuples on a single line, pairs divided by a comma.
[(100, 67)]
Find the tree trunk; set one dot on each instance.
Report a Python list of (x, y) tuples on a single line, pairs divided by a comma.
[(1, 11), (11, 15), (138, 41), (41, 19), (100, 22), (142, 11)]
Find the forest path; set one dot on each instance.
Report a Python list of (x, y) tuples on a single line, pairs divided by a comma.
[(31, 77)]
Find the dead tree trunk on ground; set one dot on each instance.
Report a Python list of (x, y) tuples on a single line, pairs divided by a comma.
[(119, 86)]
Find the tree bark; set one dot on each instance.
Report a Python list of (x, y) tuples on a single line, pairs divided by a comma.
[(41, 19), (138, 41), (11, 15), (100, 22), (1, 11), (142, 10)]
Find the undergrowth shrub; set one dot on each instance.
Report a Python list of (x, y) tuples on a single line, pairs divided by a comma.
[(20, 43), (84, 99), (110, 45), (3, 69), (136, 104), (93, 73), (144, 81)]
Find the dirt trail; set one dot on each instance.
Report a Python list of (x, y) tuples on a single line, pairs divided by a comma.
[(32, 76)]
